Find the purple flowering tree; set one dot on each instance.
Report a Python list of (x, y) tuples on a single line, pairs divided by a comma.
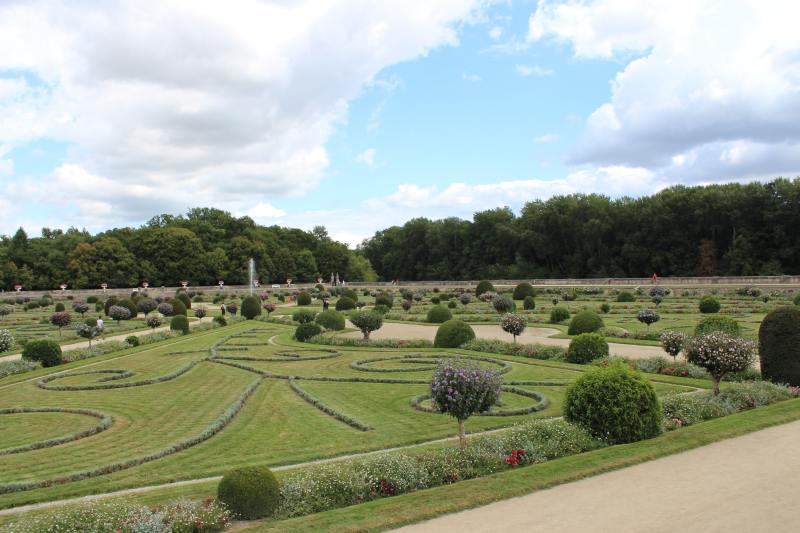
[(60, 319), (461, 389)]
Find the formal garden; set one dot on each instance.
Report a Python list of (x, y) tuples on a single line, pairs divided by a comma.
[(288, 410)]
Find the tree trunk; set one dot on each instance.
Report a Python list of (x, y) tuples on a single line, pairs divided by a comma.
[(462, 434), (717, 379), (366, 335), (515, 339)]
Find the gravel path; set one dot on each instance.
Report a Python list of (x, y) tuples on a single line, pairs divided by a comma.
[(748, 483), (399, 330)]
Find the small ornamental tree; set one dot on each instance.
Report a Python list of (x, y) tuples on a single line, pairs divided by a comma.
[(709, 304), (5, 310), (60, 319), (514, 324), (232, 308), (117, 312), (720, 353), (673, 342), (200, 312), (462, 389), (529, 303), (81, 308), (367, 321), (6, 340), (648, 316), (269, 308), (154, 321), (87, 332), (406, 305), (304, 316), (465, 298), (503, 304), (165, 308), (147, 305)]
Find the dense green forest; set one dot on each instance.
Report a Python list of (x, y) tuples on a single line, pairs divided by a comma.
[(731, 229), (202, 247)]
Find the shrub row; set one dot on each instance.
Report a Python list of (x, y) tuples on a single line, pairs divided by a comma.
[(531, 351), (335, 340), (328, 410), (9, 368)]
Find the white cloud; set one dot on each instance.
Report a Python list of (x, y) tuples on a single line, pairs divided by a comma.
[(367, 157), (6, 167), (532, 70), (265, 211), (190, 103), (470, 77), (710, 90), (547, 138), (495, 33)]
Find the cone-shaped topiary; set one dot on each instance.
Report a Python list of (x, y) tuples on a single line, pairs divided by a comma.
[(251, 307), (179, 323), (585, 322), (453, 333), (249, 493), (178, 308), (614, 403), (779, 346), (438, 314), (183, 297)]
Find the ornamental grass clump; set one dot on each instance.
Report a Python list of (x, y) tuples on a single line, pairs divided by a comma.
[(461, 388), (720, 354)]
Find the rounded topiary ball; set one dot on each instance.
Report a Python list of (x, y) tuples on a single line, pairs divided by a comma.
[(438, 314), (585, 322), (587, 347), (249, 493), (345, 303), (721, 323), (453, 333), (183, 297), (523, 290), (303, 298), (615, 404), (59, 307), (306, 331), (45, 351), (251, 307), (625, 296), (484, 286), (332, 320), (779, 346), (558, 314), (130, 305), (384, 299), (709, 304), (529, 303), (179, 323)]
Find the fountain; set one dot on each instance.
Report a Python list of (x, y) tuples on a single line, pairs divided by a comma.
[(252, 269)]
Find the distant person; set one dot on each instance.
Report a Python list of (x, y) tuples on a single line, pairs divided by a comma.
[(101, 327), (325, 304), (222, 309)]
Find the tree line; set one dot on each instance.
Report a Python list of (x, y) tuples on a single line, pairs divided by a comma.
[(730, 229), (201, 247)]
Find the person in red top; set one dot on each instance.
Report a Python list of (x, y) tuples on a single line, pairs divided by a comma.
[(655, 278)]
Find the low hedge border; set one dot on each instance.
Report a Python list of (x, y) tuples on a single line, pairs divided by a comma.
[(287, 356), (102, 383), (542, 403), (319, 404), (336, 379), (104, 423), (212, 429), (423, 358)]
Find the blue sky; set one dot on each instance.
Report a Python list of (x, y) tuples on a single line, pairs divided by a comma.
[(361, 115)]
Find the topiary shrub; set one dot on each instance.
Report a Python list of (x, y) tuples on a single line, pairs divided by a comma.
[(132, 340), (605, 308), (146, 305), (585, 322), (503, 304), (179, 323), (779, 346), (648, 316), (721, 323), (165, 308), (615, 404), (91, 299), (251, 307), (303, 316), (514, 324), (523, 290), (529, 303), (153, 321), (452, 304), (709, 304), (184, 298), (250, 492), (45, 351), (220, 321), (178, 308), (382, 309), (625, 296), (332, 320), (345, 304), (59, 307), (558, 314), (367, 321), (303, 298), (484, 286), (438, 314), (118, 312), (720, 354), (797, 299), (6, 340), (306, 331), (453, 333), (350, 293), (384, 299), (436, 300), (587, 347), (112, 300), (129, 304)]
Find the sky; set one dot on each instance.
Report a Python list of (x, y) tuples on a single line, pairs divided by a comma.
[(362, 114)]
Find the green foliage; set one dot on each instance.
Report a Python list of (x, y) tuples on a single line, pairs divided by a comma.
[(384, 299), (585, 322), (438, 314), (133, 340), (250, 492), (6, 340), (503, 304), (380, 308), (558, 314), (111, 300), (129, 304), (587, 347), (303, 298), (179, 323), (614, 404), (625, 296), (720, 354), (332, 320), (345, 303), (718, 323), (709, 304), (367, 321), (529, 303), (306, 331), (251, 307), (484, 286), (350, 293), (779, 346), (178, 308), (604, 307), (524, 290), (183, 297), (303, 316), (45, 351), (59, 307), (796, 299), (453, 333)]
